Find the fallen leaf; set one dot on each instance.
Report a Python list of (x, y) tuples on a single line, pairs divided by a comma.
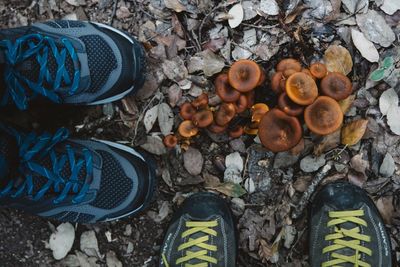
[(62, 240), (206, 61), (165, 118), (89, 244), (249, 10), (358, 164), (76, 2), (230, 189), (319, 8), (150, 117), (269, 7), (338, 59), (175, 69), (366, 47), (375, 28), (378, 75), (174, 94), (353, 132), (388, 166), (327, 143), (164, 210), (345, 104), (386, 208), (193, 161), (357, 178), (388, 99), (236, 15), (112, 260), (234, 160), (175, 5), (393, 119), (355, 6), (154, 145), (390, 6)]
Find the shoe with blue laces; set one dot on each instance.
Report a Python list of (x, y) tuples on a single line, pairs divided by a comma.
[(72, 62), (84, 181)]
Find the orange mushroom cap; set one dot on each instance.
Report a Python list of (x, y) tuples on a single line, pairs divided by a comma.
[(288, 63), (170, 141), (215, 128), (250, 98), (262, 78), (301, 89), (288, 72), (241, 104), (257, 111), (336, 85), (288, 106), (324, 116), (276, 82), (279, 131), (318, 70), (308, 72), (187, 129), (252, 128), (236, 132), (203, 118), (225, 114), (244, 75), (224, 90), (201, 101), (187, 111)]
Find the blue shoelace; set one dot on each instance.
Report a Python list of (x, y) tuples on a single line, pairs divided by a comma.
[(19, 87), (31, 146)]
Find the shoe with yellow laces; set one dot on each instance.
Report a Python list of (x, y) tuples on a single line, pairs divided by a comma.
[(347, 230), (201, 234)]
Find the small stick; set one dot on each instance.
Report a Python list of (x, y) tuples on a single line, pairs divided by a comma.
[(311, 189), (114, 11)]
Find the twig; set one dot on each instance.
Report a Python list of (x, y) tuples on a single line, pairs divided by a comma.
[(307, 195), (114, 11), (206, 17)]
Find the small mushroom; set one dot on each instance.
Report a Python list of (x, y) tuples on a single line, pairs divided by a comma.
[(288, 106), (301, 89), (252, 128), (224, 90), (225, 114), (278, 131), (318, 70), (308, 72), (324, 116), (277, 81), (215, 128), (257, 111), (201, 101), (236, 132), (336, 85), (244, 75), (241, 104), (187, 111), (287, 73), (187, 129), (250, 98), (262, 78), (170, 141), (288, 63), (203, 118)]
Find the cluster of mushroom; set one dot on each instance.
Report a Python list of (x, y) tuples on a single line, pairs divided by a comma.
[(235, 88), (313, 92)]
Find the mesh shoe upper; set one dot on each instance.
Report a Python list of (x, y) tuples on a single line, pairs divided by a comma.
[(347, 228), (75, 180), (201, 232), (69, 62)]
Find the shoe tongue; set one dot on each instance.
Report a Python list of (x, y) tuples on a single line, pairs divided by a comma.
[(347, 251), (8, 158), (30, 68)]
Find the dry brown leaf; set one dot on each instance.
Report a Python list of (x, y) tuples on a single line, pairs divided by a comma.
[(329, 142), (292, 16), (385, 207), (175, 5), (345, 104), (338, 59), (353, 132)]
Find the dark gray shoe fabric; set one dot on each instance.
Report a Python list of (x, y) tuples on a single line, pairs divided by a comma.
[(201, 207), (341, 197)]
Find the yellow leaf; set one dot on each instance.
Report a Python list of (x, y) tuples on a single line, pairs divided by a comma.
[(345, 104), (353, 132), (338, 59)]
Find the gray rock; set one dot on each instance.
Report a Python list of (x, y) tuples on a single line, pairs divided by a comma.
[(388, 167), (193, 161), (238, 206), (238, 145), (284, 160), (311, 163)]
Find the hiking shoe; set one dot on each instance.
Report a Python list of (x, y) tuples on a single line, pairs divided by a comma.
[(347, 229), (201, 233), (72, 180), (71, 62)]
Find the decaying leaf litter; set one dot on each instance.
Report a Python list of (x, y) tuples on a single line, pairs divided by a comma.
[(188, 44)]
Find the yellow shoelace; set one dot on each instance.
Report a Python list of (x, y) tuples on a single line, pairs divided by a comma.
[(201, 242), (346, 238)]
